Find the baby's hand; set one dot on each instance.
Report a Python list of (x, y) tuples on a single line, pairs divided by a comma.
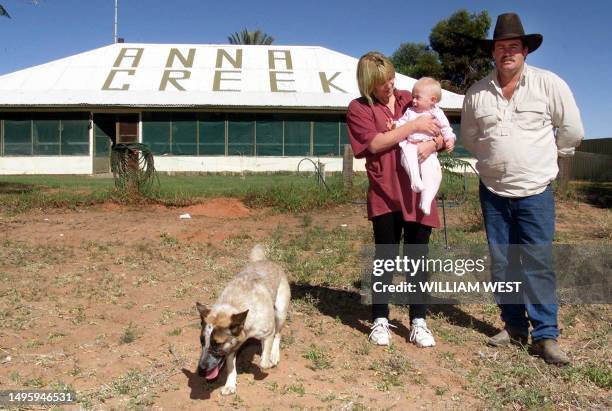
[(390, 125), (450, 145)]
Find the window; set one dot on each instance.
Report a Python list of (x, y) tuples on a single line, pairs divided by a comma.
[(212, 134), (156, 132), (241, 134), (75, 135), (297, 136), (184, 134), (269, 135), (17, 135), (325, 138), (44, 134)]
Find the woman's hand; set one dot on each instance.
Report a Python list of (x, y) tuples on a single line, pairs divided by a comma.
[(425, 149), (449, 145), (426, 125)]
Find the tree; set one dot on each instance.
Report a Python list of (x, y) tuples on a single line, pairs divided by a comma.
[(417, 60), (250, 37), (3, 12), (454, 55), (456, 41)]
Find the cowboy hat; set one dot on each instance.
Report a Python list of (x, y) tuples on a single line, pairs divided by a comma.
[(508, 27)]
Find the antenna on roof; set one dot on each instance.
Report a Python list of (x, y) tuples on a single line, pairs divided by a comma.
[(115, 33)]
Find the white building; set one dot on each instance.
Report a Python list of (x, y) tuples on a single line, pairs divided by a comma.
[(200, 108)]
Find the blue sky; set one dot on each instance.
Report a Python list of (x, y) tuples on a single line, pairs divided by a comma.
[(577, 35)]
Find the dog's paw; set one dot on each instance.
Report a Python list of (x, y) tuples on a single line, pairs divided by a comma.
[(228, 390), (274, 357), (265, 364)]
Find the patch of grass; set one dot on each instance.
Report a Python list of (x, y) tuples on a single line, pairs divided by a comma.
[(15, 377), (569, 317), (128, 383), (299, 196), (296, 388), (441, 390), (134, 384), (61, 386), (448, 357), (287, 340), (182, 289), (109, 287), (306, 304), (470, 215), (176, 332), (56, 336), (329, 397), (34, 382), (17, 317), (318, 256), (598, 374), (76, 371), (512, 382), (364, 348), (167, 240), (319, 359), (237, 240), (389, 372), (453, 336), (596, 193), (21, 254), (129, 335)]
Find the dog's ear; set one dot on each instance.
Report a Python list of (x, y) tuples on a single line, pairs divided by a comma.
[(237, 322), (202, 310)]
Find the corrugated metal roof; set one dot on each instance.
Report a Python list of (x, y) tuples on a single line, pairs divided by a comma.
[(185, 75)]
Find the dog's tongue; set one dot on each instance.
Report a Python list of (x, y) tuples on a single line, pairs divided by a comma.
[(212, 374)]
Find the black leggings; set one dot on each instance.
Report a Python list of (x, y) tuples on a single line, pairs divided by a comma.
[(388, 230)]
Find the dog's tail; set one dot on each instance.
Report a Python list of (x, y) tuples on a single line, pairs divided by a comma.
[(258, 253)]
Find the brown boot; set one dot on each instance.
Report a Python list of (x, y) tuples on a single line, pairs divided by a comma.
[(550, 351), (509, 335)]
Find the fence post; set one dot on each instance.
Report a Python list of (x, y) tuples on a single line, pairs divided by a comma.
[(565, 173), (347, 167), (321, 176)]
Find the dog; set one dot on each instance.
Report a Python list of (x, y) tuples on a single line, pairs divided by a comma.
[(253, 305)]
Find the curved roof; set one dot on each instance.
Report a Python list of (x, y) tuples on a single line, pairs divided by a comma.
[(197, 76)]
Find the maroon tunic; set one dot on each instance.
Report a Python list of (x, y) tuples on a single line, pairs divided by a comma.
[(389, 188)]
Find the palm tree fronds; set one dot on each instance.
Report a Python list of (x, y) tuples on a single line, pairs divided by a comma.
[(3, 12), (250, 37)]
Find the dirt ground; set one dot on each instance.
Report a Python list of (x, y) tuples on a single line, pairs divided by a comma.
[(102, 301)]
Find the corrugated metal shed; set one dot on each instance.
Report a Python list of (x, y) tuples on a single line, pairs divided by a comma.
[(195, 76)]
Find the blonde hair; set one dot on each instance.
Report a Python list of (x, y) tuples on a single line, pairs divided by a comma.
[(373, 69), (431, 84)]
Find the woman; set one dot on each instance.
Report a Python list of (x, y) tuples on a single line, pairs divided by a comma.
[(392, 205)]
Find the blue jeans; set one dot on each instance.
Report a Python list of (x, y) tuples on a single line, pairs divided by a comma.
[(530, 222)]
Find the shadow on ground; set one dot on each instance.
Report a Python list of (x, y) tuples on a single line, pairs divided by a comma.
[(202, 389), (347, 307), (17, 188)]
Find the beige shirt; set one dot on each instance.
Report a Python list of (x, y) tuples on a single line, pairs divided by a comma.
[(517, 141)]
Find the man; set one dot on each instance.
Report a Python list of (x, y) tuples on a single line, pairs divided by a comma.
[(517, 121)]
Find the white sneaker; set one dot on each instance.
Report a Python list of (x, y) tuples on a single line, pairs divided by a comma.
[(381, 334), (420, 334)]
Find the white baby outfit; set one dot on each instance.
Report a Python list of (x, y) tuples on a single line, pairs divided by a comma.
[(425, 178)]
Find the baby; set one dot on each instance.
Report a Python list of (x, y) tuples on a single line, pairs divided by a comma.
[(426, 93)]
